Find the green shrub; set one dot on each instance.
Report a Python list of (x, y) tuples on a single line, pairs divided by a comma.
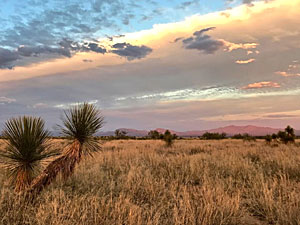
[(213, 136)]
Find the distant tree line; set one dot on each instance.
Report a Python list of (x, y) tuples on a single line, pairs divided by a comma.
[(213, 136), (286, 136)]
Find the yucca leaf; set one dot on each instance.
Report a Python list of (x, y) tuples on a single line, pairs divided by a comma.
[(27, 147)]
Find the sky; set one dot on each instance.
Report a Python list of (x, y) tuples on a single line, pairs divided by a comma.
[(176, 64)]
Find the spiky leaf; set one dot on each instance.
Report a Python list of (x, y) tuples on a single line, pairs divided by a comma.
[(27, 147)]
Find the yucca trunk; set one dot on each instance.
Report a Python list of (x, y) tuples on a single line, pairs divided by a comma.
[(23, 180), (64, 164)]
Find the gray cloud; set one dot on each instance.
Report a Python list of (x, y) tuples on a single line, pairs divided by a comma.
[(68, 48), (48, 28), (200, 32), (127, 18), (111, 38), (248, 2), (203, 42), (186, 4), (95, 48), (7, 58), (82, 47), (131, 52), (177, 39), (28, 51)]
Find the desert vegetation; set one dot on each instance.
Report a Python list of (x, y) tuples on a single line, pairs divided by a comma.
[(213, 136), (191, 182), (161, 181), (27, 145)]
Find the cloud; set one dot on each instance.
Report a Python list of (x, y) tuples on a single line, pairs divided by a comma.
[(28, 51), (233, 46), (177, 39), (40, 105), (40, 28), (131, 52), (95, 48), (204, 93), (81, 47), (187, 4), (244, 61), (67, 48), (68, 105), (263, 84), (208, 45), (172, 75), (287, 74), (203, 42), (226, 14), (7, 58), (248, 2), (127, 18), (281, 116), (6, 100), (292, 71)]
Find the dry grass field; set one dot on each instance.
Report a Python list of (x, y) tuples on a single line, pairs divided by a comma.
[(194, 182)]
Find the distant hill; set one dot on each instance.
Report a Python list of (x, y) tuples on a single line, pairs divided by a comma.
[(229, 130), (252, 130)]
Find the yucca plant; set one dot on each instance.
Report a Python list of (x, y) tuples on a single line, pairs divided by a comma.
[(27, 147), (80, 124)]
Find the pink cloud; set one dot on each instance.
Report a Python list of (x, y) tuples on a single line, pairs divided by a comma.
[(286, 74), (263, 84), (245, 61), (292, 71)]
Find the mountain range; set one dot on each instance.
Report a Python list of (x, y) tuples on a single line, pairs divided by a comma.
[(229, 130)]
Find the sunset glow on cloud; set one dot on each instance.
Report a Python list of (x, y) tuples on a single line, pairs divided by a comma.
[(245, 61), (150, 64), (263, 84)]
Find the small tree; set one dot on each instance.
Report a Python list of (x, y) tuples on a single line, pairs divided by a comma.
[(287, 136), (168, 138), (274, 137), (120, 134), (153, 134)]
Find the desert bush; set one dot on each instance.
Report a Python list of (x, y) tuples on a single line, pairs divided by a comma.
[(268, 139), (154, 134), (213, 136), (287, 136), (168, 138), (121, 134)]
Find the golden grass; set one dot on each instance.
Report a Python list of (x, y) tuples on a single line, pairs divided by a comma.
[(193, 182)]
